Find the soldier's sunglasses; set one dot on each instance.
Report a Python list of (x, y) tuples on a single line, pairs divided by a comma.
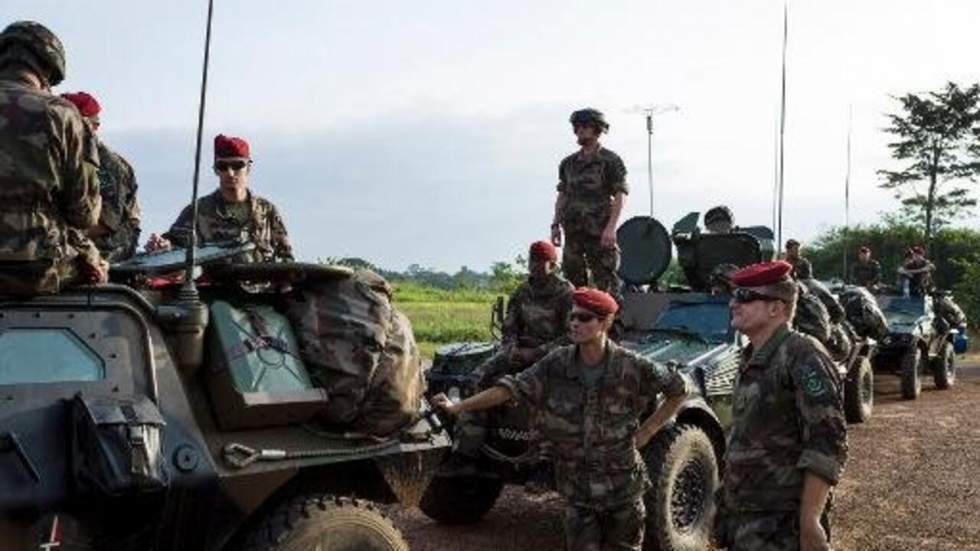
[(235, 166), (581, 317), (743, 296)]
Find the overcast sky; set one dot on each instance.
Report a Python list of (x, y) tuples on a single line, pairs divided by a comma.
[(429, 132)]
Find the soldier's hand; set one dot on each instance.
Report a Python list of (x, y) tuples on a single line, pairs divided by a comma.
[(608, 239), (441, 401), (92, 273), (556, 235), (812, 536), (157, 243)]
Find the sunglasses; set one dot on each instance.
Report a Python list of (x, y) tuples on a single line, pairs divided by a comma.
[(582, 317), (743, 295), (235, 166)]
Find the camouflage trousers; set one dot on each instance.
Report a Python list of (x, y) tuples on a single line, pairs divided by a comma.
[(776, 531), (39, 277), (583, 256), (616, 529), (471, 426)]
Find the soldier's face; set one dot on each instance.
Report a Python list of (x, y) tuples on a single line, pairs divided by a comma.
[(792, 252), (232, 173), (585, 326), (585, 134), (750, 317), (864, 256), (540, 268)]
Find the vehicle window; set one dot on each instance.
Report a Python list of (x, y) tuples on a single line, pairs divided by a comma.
[(46, 355)]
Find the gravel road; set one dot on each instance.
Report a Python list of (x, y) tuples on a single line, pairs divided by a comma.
[(912, 482)]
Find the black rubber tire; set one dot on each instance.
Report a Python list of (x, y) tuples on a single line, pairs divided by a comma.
[(944, 367), (859, 395), (909, 372), (321, 522), (460, 499), (681, 457)]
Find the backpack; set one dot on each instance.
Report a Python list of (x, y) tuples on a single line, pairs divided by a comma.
[(863, 313), (361, 350), (811, 316)]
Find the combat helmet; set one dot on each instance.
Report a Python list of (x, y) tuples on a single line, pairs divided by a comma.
[(590, 116), (35, 45)]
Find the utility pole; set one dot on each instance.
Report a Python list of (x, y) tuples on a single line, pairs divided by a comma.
[(648, 111)]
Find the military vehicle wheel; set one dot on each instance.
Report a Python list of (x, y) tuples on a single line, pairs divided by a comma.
[(944, 367), (859, 392), (460, 499), (681, 505), (910, 366), (324, 523)]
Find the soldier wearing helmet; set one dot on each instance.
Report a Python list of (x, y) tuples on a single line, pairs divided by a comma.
[(49, 188), (719, 220), (591, 193)]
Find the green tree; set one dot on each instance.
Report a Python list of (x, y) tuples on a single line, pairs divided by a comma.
[(937, 136)]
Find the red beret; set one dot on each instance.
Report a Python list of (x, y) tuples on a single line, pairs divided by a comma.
[(594, 300), (763, 273), (87, 105), (543, 250), (230, 146)]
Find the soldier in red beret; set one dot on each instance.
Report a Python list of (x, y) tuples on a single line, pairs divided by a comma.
[(232, 213), (590, 397), (536, 323), (788, 442), (118, 231)]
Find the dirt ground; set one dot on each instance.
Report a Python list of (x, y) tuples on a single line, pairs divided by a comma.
[(912, 482)]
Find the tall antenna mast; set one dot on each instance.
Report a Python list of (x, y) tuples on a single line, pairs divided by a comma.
[(648, 112), (782, 130), (191, 250), (847, 187)]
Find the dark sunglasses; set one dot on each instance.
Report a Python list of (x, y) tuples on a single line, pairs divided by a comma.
[(581, 317), (743, 295), (235, 166)]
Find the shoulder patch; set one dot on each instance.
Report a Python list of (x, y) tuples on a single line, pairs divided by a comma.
[(813, 384)]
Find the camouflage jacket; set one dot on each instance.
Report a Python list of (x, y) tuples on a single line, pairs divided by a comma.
[(120, 209), (591, 425), (866, 274), (537, 314), (216, 223), (802, 269), (49, 186), (919, 283), (589, 183), (787, 419)]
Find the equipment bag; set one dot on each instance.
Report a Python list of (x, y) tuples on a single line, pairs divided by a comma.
[(811, 316), (361, 350), (117, 446), (863, 312), (256, 377)]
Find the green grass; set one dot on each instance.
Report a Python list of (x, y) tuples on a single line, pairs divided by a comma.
[(439, 316)]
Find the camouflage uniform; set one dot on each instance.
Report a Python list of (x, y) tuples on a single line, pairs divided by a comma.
[(120, 209), (254, 221), (921, 283), (787, 419), (590, 423), (802, 269), (589, 183), (49, 190), (866, 274), (537, 317)]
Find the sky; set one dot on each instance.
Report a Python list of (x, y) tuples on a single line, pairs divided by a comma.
[(430, 132)]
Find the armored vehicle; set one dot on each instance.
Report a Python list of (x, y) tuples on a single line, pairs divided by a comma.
[(918, 343), (683, 326), (167, 419)]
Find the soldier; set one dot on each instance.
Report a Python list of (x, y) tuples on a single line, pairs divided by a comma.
[(49, 186), (788, 442), (801, 266), (233, 212), (866, 272), (721, 279), (591, 193), (117, 233), (719, 220), (590, 396), (915, 274), (536, 323)]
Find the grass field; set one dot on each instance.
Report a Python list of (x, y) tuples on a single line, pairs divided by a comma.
[(439, 316)]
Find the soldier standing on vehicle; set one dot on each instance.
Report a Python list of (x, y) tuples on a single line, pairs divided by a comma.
[(536, 323), (591, 194), (117, 233), (719, 220), (866, 272), (802, 269), (590, 397), (233, 212), (49, 186), (788, 443)]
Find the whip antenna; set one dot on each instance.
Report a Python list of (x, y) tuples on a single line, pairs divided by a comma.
[(648, 111), (782, 130), (191, 249)]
